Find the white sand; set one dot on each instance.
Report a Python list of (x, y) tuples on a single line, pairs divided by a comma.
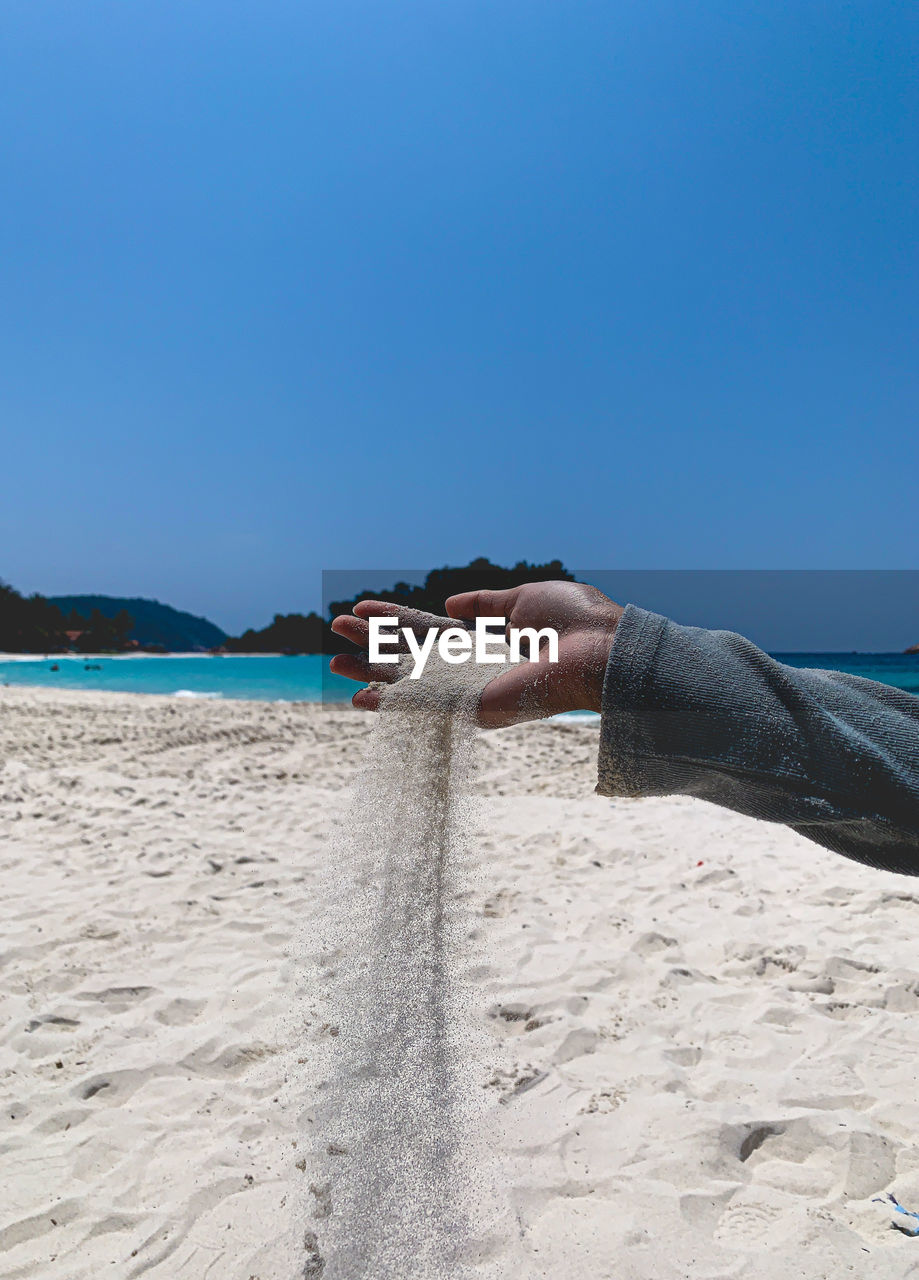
[(694, 1071)]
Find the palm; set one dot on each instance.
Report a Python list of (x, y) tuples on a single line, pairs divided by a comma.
[(583, 617)]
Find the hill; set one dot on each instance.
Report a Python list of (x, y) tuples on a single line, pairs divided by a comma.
[(479, 574), (153, 623), (288, 633), (309, 633)]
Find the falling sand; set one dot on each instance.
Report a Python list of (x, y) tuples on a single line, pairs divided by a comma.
[(395, 1195)]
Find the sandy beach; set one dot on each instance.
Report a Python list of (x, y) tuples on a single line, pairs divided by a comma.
[(699, 1031)]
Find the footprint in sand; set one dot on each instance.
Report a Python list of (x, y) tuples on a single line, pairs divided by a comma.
[(750, 1219)]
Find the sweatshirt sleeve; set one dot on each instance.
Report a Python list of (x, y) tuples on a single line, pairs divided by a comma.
[(706, 713)]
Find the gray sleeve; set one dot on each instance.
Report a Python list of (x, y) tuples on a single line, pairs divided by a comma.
[(706, 713)]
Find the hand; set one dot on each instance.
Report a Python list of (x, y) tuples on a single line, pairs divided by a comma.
[(584, 618)]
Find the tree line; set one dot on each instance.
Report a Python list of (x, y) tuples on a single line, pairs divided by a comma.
[(311, 633), (32, 624)]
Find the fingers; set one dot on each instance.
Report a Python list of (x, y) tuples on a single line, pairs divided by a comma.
[(366, 700), (354, 666), (354, 629), (415, 619), (357, 629), (469, 605)]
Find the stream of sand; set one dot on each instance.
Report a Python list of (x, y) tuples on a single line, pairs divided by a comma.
[(398, 1178)]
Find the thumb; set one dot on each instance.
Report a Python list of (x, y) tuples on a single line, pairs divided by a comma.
[(527, 691)]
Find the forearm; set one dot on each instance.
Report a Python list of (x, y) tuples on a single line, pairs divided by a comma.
[(705, 713)]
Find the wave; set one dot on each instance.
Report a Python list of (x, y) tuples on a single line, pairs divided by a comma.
[(192, 693)]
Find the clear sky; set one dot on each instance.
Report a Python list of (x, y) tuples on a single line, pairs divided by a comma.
[(287, 286)]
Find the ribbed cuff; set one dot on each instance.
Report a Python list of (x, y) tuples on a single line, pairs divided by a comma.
[(628, 672)]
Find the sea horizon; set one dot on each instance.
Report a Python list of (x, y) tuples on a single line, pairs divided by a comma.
[(306, 677)]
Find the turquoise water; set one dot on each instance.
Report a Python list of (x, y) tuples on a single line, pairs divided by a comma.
[(899, 669), (307, 678), (299, 679)]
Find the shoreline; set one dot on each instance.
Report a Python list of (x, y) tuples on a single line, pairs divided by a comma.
[(120, 657), (779, 655), (217, 698)]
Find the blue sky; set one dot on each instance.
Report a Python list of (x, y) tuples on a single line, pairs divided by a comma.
[(290, 286)]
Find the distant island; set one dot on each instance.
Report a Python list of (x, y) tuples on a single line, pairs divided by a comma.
[(99, 624), (153, 625), (117, 624), (913, 648)]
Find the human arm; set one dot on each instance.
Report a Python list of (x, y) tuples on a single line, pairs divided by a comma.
[(705, 713)]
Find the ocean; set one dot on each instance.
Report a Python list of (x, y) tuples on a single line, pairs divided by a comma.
[(307, 679)]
